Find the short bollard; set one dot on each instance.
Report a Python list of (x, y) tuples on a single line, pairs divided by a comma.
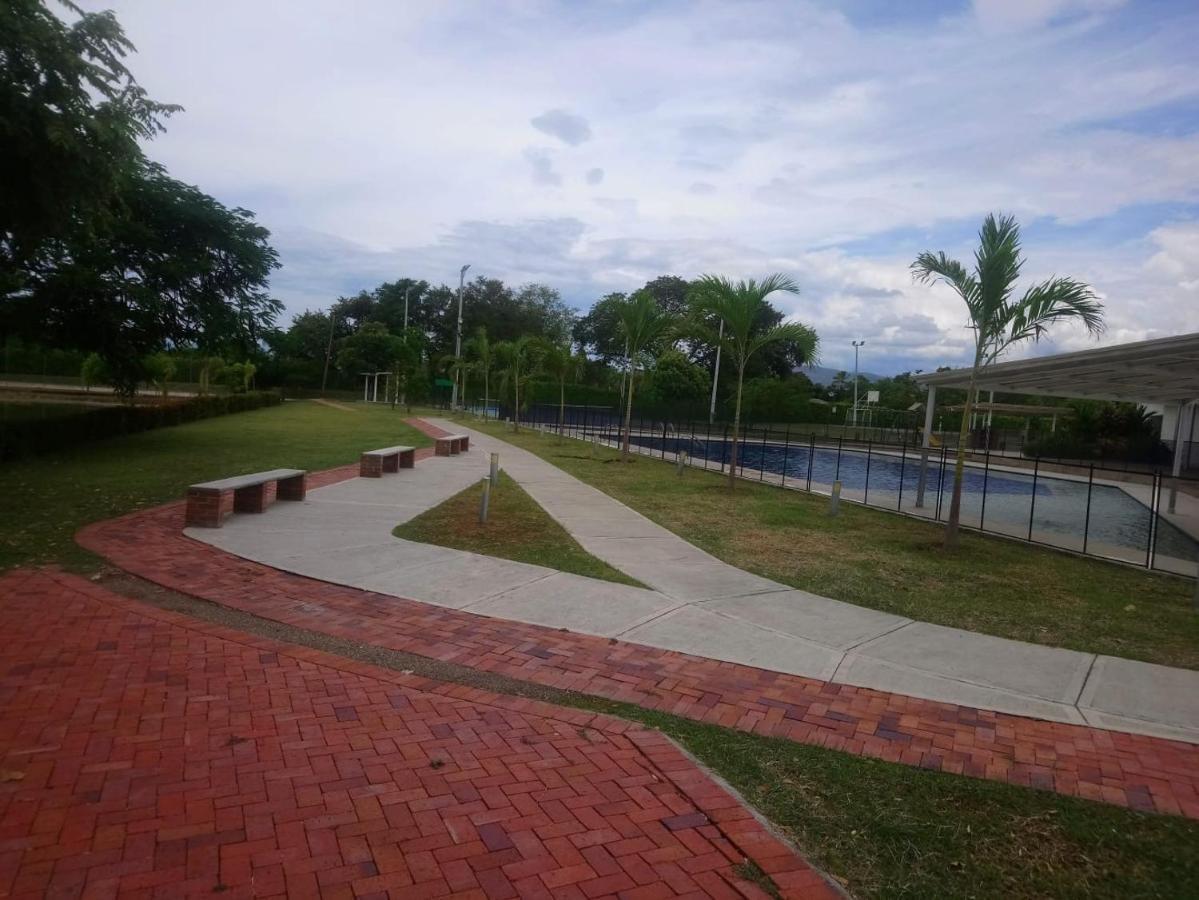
[(680, 462), (834, 500), (485, 501), (495, 469)]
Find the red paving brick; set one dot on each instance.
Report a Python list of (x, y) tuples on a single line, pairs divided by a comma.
[(145, 753), (1136, 771)]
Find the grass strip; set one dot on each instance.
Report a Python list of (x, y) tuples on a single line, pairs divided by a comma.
[(517, 528)]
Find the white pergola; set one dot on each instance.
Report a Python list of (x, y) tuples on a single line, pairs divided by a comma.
[(1162, 372)]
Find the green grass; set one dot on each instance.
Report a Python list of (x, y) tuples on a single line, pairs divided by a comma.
[(896, 564), (48, 498), (517, 528)]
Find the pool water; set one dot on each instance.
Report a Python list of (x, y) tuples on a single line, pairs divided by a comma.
[(1115, 520)]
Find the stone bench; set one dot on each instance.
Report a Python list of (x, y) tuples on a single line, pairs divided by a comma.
[(451, 444), (390, 459), (210, 503)]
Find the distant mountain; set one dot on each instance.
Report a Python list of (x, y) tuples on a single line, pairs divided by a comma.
[(824, 376)]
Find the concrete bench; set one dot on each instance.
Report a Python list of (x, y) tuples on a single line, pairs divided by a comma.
[(451, 444), (210, 503), (390, 459)]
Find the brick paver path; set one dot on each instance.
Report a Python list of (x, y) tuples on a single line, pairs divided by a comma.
[(144, 753), (1138, 771)]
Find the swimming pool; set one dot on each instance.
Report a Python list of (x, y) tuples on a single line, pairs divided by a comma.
[(1052, 509)]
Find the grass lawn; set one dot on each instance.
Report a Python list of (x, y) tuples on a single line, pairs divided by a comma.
[(887, 562), (48, 498), (517, 528)]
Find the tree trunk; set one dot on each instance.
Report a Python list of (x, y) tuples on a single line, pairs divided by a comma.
[(628, 421), (959, 467), (516, 402), (561, 407), (736, 427), (486, 390)]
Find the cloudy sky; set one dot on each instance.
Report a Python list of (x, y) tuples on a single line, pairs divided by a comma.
[(593, 146)]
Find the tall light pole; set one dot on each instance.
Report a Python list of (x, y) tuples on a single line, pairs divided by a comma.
[(458, 339), (856, 345), (407, 291), (716, 376)]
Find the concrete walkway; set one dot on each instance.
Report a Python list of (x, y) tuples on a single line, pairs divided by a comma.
[(697, 604)]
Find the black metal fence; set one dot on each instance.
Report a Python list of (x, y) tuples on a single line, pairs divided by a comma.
[(1134, 517)]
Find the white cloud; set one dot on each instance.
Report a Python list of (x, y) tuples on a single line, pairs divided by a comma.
[(749, 137)]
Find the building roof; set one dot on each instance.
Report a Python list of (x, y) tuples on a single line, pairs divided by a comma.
[(1164, 370)]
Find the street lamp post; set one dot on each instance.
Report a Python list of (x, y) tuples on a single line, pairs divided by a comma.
[(716, 375), (458, 338), (407, 291), (856, 345)]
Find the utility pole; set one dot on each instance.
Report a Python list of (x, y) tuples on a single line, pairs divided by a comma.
[(329, 350), (458, 339), (716, 376), (856, 345)]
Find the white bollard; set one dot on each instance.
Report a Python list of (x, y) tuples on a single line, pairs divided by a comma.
[(495, 468), (834, 500)]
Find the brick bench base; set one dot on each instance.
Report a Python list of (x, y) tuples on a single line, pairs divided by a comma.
[(452, 445), (375, 465), (208, 507)]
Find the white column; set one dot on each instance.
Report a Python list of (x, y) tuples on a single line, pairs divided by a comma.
[(366, 386), (1185, 413), (922, 478)]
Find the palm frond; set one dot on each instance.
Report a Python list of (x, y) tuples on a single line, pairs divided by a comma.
[(1051, 301), (997, 263), (932, 267)]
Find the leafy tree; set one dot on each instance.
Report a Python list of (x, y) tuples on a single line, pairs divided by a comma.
[(599, 332), (174, 265), (481, 349), (642, 322), (678, 380), (71, 116), (161, 369), (93, 371), (560, 363), (738, 305), (210, 369), (408, 350), (372, 348), (998, 318), (518, 361), (669, 292)]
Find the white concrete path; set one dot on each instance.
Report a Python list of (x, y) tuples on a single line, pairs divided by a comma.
[(696, 603)]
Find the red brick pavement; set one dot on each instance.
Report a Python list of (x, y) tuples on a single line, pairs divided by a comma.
[(1137, 771), (144, 753)]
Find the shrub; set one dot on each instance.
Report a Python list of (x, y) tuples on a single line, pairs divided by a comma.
[(25, 437)]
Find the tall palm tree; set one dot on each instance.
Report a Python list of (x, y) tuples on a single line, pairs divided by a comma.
[(739, 306), (642, 322), (518, 361), (998, 318), (480, 347), (560, 363)]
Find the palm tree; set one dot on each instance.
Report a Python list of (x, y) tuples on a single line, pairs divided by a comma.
[(998, 319), (560, 363), (739, 306), (484, 355), (518, 361), (642, 321)]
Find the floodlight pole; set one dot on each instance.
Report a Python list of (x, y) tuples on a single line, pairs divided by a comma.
[(329, 349), (716, 376), (407, 291), (458, 338), (856, 345)]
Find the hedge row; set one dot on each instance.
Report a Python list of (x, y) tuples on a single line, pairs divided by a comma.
[(29, 436)]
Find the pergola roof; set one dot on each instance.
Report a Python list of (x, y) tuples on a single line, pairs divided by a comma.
[(1165, 370)]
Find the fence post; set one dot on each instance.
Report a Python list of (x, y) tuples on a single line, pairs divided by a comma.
[(940, 484), (866, 492), (762, 459), (982, 515), (811, 457), (1086, 523), (1155, 498), (1032, 506), (837, 472), (786, 452), (903, 459)]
